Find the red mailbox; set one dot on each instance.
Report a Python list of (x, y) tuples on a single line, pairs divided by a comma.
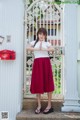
[(7, 55)]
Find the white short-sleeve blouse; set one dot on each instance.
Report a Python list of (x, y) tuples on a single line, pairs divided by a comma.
[(39, 54)]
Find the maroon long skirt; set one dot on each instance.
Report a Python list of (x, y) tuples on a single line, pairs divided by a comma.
[(42, 76)]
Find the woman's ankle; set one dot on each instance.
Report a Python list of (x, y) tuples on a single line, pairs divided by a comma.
[(48, 106), (39, 107)]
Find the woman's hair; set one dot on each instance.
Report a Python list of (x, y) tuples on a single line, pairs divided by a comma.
[(41, 30)]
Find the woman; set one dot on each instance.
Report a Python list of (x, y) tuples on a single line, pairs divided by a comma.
[(42, 77)]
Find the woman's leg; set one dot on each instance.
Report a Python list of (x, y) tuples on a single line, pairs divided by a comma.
[(39, 100), (38, 110), (49, 101)]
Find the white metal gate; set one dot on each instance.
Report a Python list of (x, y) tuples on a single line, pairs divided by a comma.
[(44, 13)]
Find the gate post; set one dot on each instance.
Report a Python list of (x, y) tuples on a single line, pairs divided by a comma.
[(71, 99)]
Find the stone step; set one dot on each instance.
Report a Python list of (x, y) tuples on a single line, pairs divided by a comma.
[(32, 104), (30, 115)]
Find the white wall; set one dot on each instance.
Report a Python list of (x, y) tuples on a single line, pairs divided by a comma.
[(11, 72), (78, 36), (71, 97)]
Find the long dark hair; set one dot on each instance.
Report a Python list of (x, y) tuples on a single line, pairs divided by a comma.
[(41, 30)]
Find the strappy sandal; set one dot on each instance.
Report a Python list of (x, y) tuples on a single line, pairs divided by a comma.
[(48, 111), (37, 111)]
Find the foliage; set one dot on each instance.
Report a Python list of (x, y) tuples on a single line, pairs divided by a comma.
[(79, 2), (57, 76), (58, 1)]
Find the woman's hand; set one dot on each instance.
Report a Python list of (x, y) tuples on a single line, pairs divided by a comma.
[(40, 47)]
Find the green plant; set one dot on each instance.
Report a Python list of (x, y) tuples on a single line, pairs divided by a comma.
[(57, 76), (79, 2)]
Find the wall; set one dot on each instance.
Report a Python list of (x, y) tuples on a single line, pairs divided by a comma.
[(78, 37), (11, 72)]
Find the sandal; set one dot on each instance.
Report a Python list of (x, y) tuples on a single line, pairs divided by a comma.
[(48, 111), (37, 111)]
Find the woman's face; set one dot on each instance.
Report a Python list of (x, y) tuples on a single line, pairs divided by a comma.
[(41, 37)]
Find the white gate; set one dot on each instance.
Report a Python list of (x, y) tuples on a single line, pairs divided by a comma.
[(44, 13)]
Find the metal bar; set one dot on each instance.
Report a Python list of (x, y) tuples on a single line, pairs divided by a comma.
[(25, 43), (36, 22), (33, 23), (40, 18), (46, 22)]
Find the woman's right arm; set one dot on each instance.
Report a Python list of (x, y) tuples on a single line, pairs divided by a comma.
[(31, 48)]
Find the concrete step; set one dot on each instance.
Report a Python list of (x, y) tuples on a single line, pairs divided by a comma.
[(30, 115), (32, 104)]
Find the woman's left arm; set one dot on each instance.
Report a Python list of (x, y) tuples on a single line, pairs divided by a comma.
[(49, 49)]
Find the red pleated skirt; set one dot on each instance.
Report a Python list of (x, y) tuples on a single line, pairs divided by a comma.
[(42, 76)]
